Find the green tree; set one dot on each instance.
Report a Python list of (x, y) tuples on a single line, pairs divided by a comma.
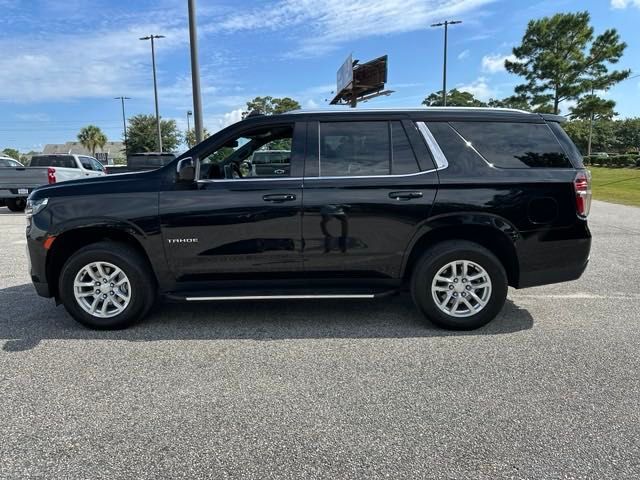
[(514, 101), (270, 105), (558, 58), (455, 98), (190, 136), (593, 109), (12, 152), (91, 137), (142, 134), (628, 135)]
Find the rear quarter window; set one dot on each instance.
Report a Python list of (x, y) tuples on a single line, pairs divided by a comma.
[(514, 145), (569, 147)]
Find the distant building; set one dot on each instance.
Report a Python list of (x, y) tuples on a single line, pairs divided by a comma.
[(112, 149)]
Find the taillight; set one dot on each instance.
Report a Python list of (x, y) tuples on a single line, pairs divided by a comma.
[(51, 174), (582, 185)]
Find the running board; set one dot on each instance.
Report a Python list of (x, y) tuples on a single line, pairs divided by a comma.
[(278, 297), (234, 296)]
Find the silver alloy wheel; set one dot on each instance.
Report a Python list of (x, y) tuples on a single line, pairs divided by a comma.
[(461, 288), (102, 289)]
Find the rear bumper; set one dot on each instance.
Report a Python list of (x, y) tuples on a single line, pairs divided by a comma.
[(556, 275), (553, 256)]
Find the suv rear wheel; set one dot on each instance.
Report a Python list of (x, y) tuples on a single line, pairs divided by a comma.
[(16, 204), (106, 285), (459, 285)]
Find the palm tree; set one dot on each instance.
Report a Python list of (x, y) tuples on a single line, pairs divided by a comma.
[(92, 137)]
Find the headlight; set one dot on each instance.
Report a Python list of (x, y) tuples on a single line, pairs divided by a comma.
[(35, 206)]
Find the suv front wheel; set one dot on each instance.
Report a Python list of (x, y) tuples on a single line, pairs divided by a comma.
[(459, 285), (106, 285)]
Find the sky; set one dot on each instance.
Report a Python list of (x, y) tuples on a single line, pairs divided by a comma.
[(62, 62)]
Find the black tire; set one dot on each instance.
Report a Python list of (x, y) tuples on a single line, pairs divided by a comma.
[(16, 204), (435, 259), (142, 283)]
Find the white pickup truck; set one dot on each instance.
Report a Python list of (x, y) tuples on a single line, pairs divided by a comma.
[(16, 183)]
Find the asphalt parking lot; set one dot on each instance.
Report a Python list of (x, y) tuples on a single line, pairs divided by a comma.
[(332, 389)]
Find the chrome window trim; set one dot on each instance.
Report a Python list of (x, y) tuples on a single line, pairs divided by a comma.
[(372, 176), (438, 155), (245, 179)]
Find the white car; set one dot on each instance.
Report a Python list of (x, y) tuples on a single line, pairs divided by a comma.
[(17, 182)]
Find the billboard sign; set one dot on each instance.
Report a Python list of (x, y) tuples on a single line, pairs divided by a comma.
[(102, 157), (345, 75)]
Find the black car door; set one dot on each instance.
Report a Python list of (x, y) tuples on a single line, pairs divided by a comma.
[(235, 223), (365, 194)]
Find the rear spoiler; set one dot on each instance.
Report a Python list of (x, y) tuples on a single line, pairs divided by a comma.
[(550, 117)]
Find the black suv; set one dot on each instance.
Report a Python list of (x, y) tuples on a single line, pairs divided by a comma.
[(451, 204)]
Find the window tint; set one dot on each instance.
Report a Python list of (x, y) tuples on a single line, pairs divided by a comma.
[(354, 149), (569, 147), (404, 160), (62, 161), (458, 154), (514, 145)]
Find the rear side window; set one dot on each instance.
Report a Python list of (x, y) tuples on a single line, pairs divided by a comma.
[(514, 145), (62, 161), (356, 149)]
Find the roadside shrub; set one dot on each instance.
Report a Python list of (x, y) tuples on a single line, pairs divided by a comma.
[(613, 161)]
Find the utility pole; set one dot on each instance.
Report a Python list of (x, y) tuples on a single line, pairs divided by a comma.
[(195, 72), (124, 122), (155, 85), (446, 24), (189, 113)]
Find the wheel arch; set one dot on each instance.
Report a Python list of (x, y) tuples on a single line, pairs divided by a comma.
[(72, 240), (492, 232)]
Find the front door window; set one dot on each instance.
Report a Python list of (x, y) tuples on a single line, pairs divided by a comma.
[(264, 152)]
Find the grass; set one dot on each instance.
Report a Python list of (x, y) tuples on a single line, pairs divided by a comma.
[(616, 185)]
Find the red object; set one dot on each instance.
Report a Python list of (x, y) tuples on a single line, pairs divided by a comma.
[(582, 185), (51, 174), (48, 242)]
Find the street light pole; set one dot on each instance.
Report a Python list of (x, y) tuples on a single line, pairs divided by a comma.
[(155, 85), (195, 72), (189, 113), (124, 122), (446, 24)]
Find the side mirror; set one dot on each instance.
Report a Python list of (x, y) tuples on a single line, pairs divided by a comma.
[(186, 170)]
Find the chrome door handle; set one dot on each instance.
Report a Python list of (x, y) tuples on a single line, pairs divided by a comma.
[(279, 197), (405, 195)]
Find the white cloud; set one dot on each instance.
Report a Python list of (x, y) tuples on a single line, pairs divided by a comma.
[(229, 118), (463, 54), (479, 88), (325, 25), (620, 4), (494, 63), (97, 64), (311, 104)]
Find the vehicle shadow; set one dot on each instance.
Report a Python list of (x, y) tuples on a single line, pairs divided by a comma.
[(6, 211), (26, 319)]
